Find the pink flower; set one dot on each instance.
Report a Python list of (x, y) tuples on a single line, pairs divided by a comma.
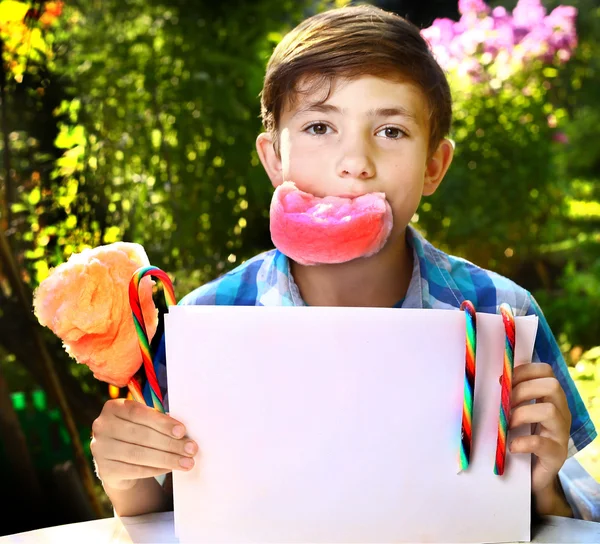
[(528, 13), (504, 39), (501, 37), (85, 302), (472, 6), (500, 14), (536, 44), (563, 17), (441, 32), (470, 42), (562, 22)]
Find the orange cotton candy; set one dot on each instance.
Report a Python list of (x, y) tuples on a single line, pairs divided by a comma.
[(85, 302)]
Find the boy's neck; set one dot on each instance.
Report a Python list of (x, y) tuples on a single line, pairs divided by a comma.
[(379, 281)]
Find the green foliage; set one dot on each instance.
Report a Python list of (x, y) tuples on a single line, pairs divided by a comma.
[(159, 141), (522, 196), (500, 190), (586, 373), (572, 302), (139, 122), (154, 133)]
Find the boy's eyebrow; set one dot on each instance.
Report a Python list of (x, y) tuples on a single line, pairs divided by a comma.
[(374, 112), (392, 112)]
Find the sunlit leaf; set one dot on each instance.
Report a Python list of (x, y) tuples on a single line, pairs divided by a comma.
[(34, 196), (112, 235), (12, 11)]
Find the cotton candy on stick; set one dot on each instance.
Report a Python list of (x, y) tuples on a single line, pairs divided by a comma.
[(85, 302)]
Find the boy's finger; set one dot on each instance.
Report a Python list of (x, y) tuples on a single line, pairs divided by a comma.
[(133, 433), (124, 471), (545, 413), (545, 389), (133, 454), (136, 412), (531, 371), (549, 451)]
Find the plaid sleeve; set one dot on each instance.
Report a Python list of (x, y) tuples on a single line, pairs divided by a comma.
[(546, 350)]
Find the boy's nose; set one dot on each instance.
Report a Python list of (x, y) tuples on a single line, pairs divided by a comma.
[(356, 167)]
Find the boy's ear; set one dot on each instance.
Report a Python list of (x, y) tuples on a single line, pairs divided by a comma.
[(437, 166), (270, 158)]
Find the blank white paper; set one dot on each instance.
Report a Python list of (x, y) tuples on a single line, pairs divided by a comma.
[(329, 425)]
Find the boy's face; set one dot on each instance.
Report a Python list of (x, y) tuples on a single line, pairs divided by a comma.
[(371, 135)]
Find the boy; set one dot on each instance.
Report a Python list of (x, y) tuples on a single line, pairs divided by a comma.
[(354, 103)]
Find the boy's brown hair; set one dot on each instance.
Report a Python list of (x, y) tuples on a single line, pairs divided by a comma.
[(351, 42)]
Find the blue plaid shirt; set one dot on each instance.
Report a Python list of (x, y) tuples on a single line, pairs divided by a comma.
[(439, 281)]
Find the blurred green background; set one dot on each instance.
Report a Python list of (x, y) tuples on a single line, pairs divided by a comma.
[(135, 120)]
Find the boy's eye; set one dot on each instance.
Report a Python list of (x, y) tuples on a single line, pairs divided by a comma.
[(393, 133), (318, 129)]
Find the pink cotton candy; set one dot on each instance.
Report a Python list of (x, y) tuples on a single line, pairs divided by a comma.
[(312, 230), (85, 302)]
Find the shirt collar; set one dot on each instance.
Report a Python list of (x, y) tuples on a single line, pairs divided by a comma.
[(276, 286)]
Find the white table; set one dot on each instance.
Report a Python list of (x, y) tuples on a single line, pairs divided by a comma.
[(158, 528)]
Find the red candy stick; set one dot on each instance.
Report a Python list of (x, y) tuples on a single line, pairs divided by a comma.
[(507, 377)]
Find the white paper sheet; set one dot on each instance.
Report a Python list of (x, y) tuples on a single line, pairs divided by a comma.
[(340, 425)]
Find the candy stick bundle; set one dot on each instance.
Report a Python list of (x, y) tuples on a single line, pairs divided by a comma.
[(142, 335), (466, 433)]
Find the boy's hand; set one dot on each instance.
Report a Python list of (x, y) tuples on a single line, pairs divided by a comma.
[(131, 441), (536, 381)]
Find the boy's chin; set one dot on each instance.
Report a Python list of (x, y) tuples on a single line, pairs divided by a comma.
[(332, 230)]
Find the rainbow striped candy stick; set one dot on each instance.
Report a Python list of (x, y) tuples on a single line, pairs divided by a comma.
[(507, 377), (140, 326), (466, 432), (136, 391)]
